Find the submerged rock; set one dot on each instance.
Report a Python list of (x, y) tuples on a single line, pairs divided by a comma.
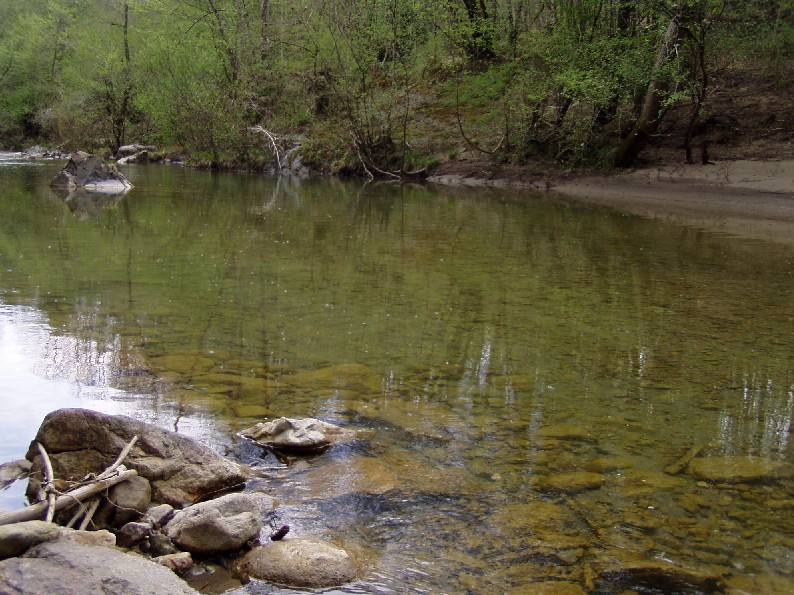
[(548, 588), (307, 563), (181, 470), (620, 571), (573, 482), (91, 173), (305, 435), (224, 524), (738, 469)]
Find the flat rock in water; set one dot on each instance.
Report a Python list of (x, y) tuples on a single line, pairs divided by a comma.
[(91, 173), (73, 569), (306, 563), (305, 435), (180, 469), (738, 469)]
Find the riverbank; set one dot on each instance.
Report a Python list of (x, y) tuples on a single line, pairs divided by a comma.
[(753, 199)]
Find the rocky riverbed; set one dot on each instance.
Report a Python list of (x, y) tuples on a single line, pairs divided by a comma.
[(182, 508)]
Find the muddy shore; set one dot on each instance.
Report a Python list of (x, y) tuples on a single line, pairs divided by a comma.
[(752, 199)]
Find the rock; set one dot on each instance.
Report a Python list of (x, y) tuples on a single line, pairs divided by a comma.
[(74, 569), (224, 524), (357, 378), (307, 563), (18, 538), (132, 534), (38, 152), (298, 436), (548, 588), (738, 469), (572, 483), (160, 545), (127, 501), (179, 562), (565, 432), (139, 157), (160, 515), (90, 172), (99, 538), (128, 150), (742, 584), (655, 576), (181, 470), (12, 471)]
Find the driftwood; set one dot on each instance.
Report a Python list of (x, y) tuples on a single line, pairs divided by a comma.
[(85, 490), (68, 499), (49, 478)]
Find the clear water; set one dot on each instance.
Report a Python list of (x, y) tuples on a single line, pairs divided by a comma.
[(521, 369)]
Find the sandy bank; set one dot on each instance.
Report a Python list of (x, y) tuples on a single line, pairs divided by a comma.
[(748, 198), (753, 199)]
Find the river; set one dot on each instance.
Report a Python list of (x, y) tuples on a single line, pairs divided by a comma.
[(521, 369)]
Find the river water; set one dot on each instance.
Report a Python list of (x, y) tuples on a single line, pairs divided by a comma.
[(523, 371)]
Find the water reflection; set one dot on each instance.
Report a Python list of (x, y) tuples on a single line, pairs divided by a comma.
[(523, 371), (43, 371)]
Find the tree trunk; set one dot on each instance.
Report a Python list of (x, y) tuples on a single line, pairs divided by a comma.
[(651, 114), (480, 45)]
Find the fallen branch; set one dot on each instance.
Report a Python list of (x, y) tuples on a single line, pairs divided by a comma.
[(273, 144), (678, 466), (120, 459), (115, 473), (89, 514), (48, 480), (69, 499)]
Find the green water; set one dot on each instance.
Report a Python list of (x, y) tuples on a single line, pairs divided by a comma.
[(521, 370)]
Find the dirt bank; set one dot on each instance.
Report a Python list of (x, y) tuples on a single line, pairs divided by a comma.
[(753, 199), (748, 198)]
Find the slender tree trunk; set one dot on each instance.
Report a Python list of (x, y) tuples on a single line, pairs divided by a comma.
[(264, 9), (233, 74), (127, 33), (651, 114), (480, 45)]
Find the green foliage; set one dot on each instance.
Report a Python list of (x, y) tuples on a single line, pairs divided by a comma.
[(559, 80)]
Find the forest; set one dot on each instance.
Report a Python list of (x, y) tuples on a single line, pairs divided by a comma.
[(382, 87)]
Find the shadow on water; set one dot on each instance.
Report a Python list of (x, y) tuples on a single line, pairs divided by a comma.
[(527, 377)]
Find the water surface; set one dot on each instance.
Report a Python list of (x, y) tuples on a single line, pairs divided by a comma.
[(521, 370)]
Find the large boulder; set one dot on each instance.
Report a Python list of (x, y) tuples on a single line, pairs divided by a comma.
[(305, 563), (224, 524), (299, 436), (126, 502), (91, 173), (70, 568), (181, 471)]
